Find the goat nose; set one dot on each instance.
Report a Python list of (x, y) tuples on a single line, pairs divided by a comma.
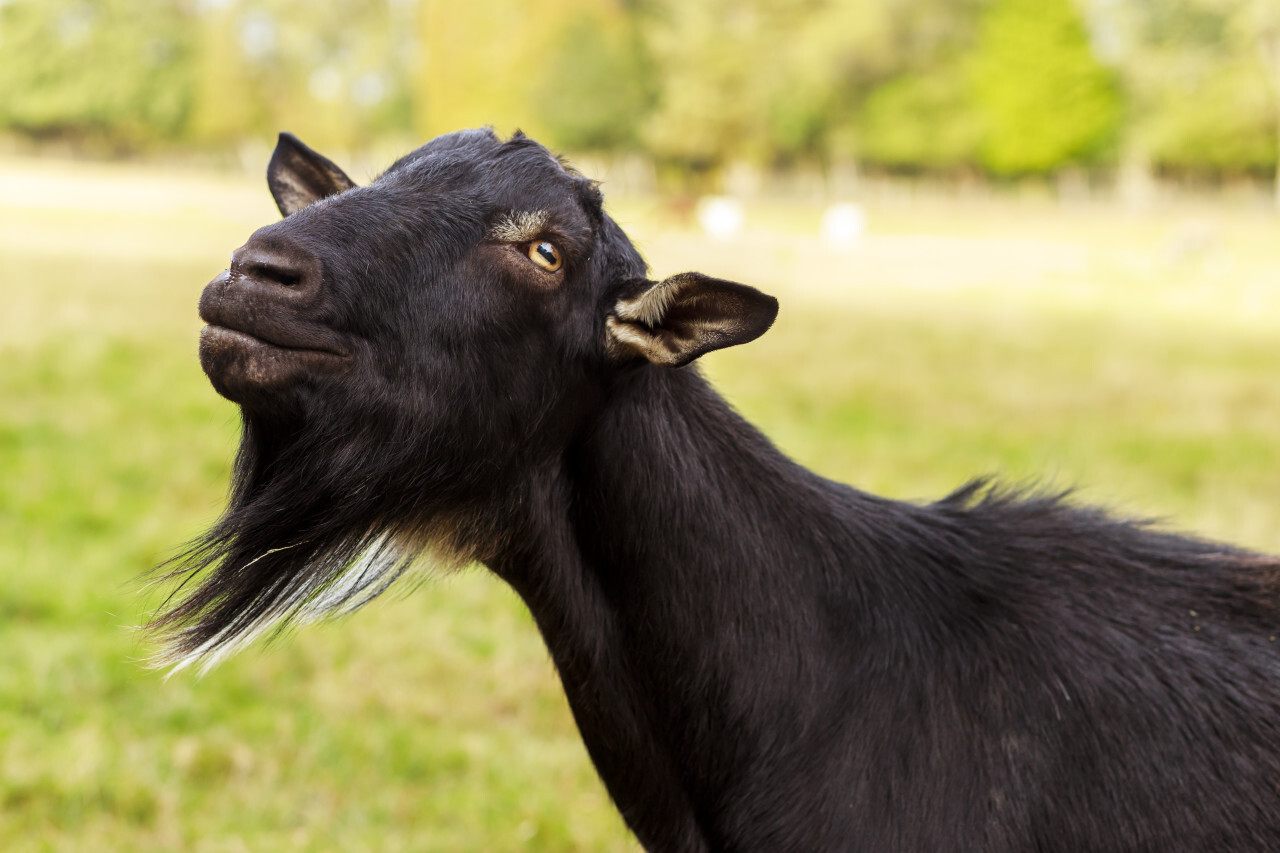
[(275, 264)]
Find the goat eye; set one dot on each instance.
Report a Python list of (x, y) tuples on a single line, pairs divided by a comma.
[(546, 255)]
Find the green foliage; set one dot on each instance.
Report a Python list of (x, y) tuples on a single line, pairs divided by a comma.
[(1204, 81), (112, 68), (1025, 95), (500, 63), (921, 121), (597, 84), (305, 67), (1220, 123), (768, 80), (711, 59), (1043, 99), (1002, 87)]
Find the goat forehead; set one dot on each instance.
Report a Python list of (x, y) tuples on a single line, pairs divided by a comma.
[(493, 186), (462, 141), (467, 150)]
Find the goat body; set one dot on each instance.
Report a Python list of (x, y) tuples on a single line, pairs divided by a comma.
[(757, 658)]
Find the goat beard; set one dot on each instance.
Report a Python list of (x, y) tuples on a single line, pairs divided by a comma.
[(319, 523)]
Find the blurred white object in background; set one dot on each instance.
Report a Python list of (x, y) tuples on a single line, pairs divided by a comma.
[(843, 225), (721, 217)]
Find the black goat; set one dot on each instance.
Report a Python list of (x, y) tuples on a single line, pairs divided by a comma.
[(466, 357)]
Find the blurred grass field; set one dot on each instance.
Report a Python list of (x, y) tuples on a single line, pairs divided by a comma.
[(1136, 356)]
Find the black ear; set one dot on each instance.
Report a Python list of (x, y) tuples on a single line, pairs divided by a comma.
[(672, 322), (299, 176)]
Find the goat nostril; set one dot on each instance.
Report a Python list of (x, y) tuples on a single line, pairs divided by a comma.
[(272, 267), (286, 276)]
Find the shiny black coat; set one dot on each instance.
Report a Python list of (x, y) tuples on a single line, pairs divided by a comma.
[(757, 658)]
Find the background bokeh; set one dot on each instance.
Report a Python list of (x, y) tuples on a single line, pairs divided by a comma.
[(1032, 238), (991, 88)]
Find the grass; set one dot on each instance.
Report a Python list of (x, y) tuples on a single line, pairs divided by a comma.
[(1079, 345)]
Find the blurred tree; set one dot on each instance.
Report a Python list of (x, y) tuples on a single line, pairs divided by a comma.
[(1007, 87), (922, 121), (1044, 99), (597, 82), (775, 81), (302, 66), (228, 104), (825, 63), (1204, 82), (922, 118), (1215, 118), (1256, 24), (505, 63), (1265, 27), (109, 71), (712, 58)]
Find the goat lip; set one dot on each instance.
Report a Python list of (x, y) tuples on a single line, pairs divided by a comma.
[(252, 372), (228, 336)]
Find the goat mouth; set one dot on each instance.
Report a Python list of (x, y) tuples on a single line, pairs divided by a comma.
[(242, 366), (239, 337)]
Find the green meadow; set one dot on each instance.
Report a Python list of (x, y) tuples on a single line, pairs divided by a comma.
[(1133, 355)]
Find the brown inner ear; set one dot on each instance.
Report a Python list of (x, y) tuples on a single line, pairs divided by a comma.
[(677, 320), (298, 176), (702, 310)]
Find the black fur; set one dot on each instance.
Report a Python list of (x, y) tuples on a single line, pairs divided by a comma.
[(757, 658)]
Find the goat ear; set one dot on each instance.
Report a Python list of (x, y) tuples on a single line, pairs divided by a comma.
[(299, 176), (672, 322)]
